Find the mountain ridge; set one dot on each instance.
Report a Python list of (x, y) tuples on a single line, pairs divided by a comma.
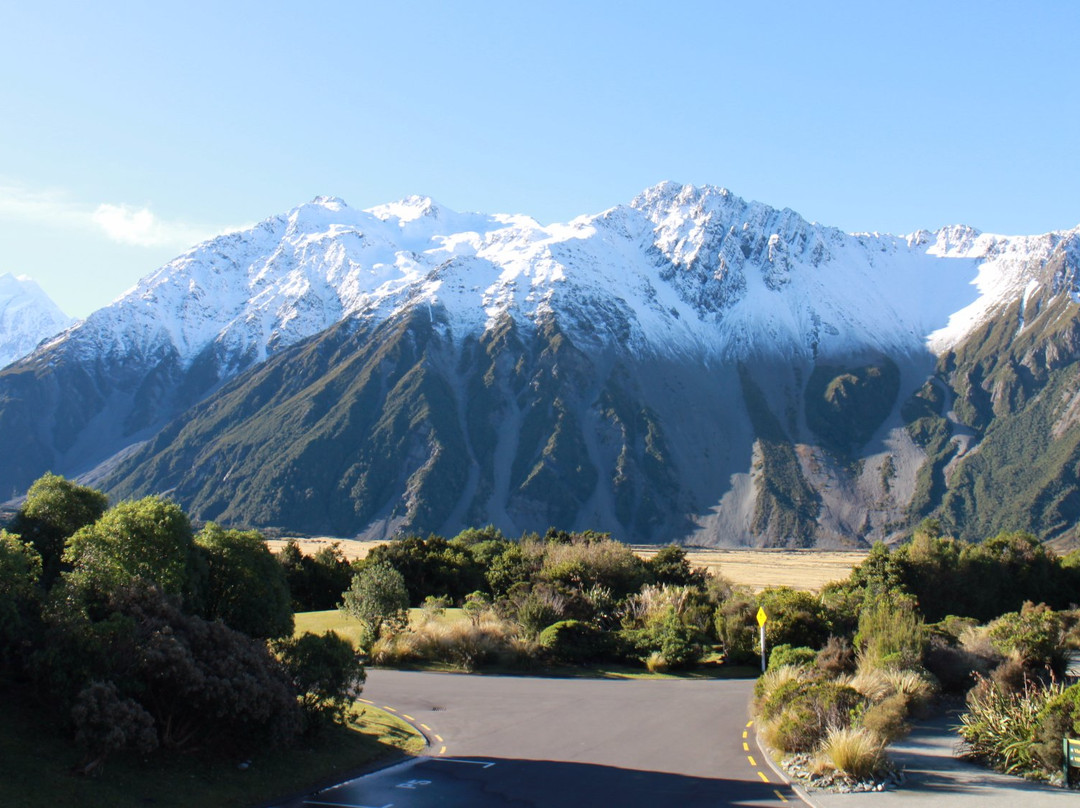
[(672, 368)]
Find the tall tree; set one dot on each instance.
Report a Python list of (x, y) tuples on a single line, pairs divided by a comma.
[(378, 600), (246, 587), (54, 509)]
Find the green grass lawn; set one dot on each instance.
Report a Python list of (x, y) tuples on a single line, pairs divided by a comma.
[(37, 758)]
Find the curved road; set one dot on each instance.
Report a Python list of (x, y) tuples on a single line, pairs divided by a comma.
[(525, 742)]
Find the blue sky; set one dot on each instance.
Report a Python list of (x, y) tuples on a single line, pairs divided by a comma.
[(128, 131)]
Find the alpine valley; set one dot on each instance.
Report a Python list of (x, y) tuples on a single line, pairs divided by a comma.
[(690, 367)]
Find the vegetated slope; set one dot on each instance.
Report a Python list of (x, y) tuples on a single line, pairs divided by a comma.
[(691, 367), (27, 316)]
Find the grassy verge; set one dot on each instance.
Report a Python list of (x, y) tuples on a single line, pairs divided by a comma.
[(36, 759)]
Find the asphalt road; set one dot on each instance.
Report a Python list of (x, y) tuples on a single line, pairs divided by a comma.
[(523, 742)]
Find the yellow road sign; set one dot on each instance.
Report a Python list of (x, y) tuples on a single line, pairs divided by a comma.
[(761, 616)]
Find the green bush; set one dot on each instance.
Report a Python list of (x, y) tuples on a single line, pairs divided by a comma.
[(891, 634), (573, 641), (798, 715), (786, 655), (1059, 718), (888, 718), (999, 728), (1033, 635)]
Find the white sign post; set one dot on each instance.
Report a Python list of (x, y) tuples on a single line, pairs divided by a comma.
[(761, 618)]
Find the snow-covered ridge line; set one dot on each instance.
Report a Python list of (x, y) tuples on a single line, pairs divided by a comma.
[(27, 316), (681, 269)]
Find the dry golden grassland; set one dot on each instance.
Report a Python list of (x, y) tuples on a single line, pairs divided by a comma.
[(757, 569), (754, 569)]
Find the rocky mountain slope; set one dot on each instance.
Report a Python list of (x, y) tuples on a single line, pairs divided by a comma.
[(690, 366), (27, 316)]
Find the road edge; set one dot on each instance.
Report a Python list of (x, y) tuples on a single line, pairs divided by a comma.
[(779, 772)]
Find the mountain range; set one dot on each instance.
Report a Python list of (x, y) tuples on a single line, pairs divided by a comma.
[(688, 367), (27, 316)]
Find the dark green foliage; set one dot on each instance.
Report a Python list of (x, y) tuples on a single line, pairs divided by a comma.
[(678, 642), (1032, 635), (950, 577), (20, 576), (891, 633), (801, 657), (671, 566), (148, 540), (430, 567), (510, 567), (846, 406), (377, 600), (105, 722), (54, 509), (205, 685), (574, 641), (737, 630), (594, 560), (326, 673), (246, 587), (796, 618), (316, 581), (801, 713), (1059, 718)]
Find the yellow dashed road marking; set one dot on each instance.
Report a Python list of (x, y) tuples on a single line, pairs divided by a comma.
[(391, 709), (752, 761), (745, 746), (442, 751), (749, 724), (762, 776), (366, 701), (781, 797), (425, 726), (407, 717), (438, 737), (744, 733)]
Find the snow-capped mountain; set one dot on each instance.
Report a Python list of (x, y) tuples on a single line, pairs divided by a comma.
[(689, 365), (683, 269), (27, 316)]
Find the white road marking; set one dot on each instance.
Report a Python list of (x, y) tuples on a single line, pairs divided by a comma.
[(487, 764)]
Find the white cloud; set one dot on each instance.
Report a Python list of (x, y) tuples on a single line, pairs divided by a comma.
[(124, 224), (140, 226)]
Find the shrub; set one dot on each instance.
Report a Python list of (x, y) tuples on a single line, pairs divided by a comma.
[(1000, 728), (954, 667), (326, 673), (1059, 718), (106, 722), (1033, 635), (573, 641), (786, 655), (802, 714), (888, 718), (772, 687), (737, 630), (891, 633), (836, 658), (856, 752)]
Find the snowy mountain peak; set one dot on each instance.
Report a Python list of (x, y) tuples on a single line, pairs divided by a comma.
[(27, 316)]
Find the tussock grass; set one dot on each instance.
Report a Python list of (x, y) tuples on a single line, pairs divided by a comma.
[(854, 751)]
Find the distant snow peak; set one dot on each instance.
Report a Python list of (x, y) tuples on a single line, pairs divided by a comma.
[(27, 316)]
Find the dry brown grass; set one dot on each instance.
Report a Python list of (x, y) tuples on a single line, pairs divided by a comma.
[(755, 569)]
